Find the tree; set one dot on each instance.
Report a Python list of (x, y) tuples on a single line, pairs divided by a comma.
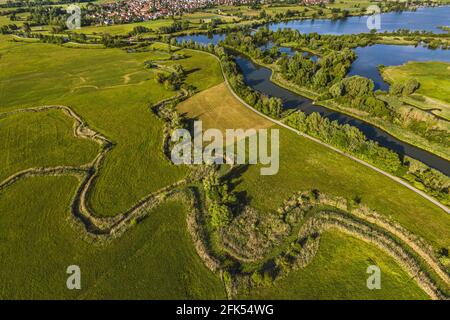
[(26, 27), (179, 69), (337, 90), (396, 89), (411, 85)]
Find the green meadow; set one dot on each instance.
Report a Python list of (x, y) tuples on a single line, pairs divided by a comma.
[(112, 91), (338, 271), (155, 259)]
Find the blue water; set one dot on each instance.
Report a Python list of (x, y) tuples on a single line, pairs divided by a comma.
[(203, 38), (428, 19)]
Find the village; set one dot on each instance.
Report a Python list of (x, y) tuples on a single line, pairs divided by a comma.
[(144, 10)]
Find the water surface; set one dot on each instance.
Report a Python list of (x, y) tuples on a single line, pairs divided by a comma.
[(426, 18)]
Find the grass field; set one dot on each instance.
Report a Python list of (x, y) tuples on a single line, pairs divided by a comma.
[(154, 260), (434, 79), (338, 271), (41, 139), (112, 91)]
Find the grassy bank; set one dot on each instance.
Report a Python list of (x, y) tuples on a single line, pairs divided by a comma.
[(434, 79)]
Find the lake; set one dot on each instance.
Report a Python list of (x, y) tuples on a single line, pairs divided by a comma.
[(427, 18)]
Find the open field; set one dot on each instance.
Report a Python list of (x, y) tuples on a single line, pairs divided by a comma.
[(112, 91), (154, 260), (434, 79), (338, 271), (217, 108)]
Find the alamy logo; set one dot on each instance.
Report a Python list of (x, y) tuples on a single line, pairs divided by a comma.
[(74, 280), (374, 280), (374, 19), (219, 150), (74, 20)]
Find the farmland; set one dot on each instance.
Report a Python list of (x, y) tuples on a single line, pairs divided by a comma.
[(113, 98)]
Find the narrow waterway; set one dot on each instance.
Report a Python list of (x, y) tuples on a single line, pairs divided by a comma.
[(258, 78)]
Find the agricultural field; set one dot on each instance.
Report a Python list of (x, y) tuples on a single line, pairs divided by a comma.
[(217, 108)]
